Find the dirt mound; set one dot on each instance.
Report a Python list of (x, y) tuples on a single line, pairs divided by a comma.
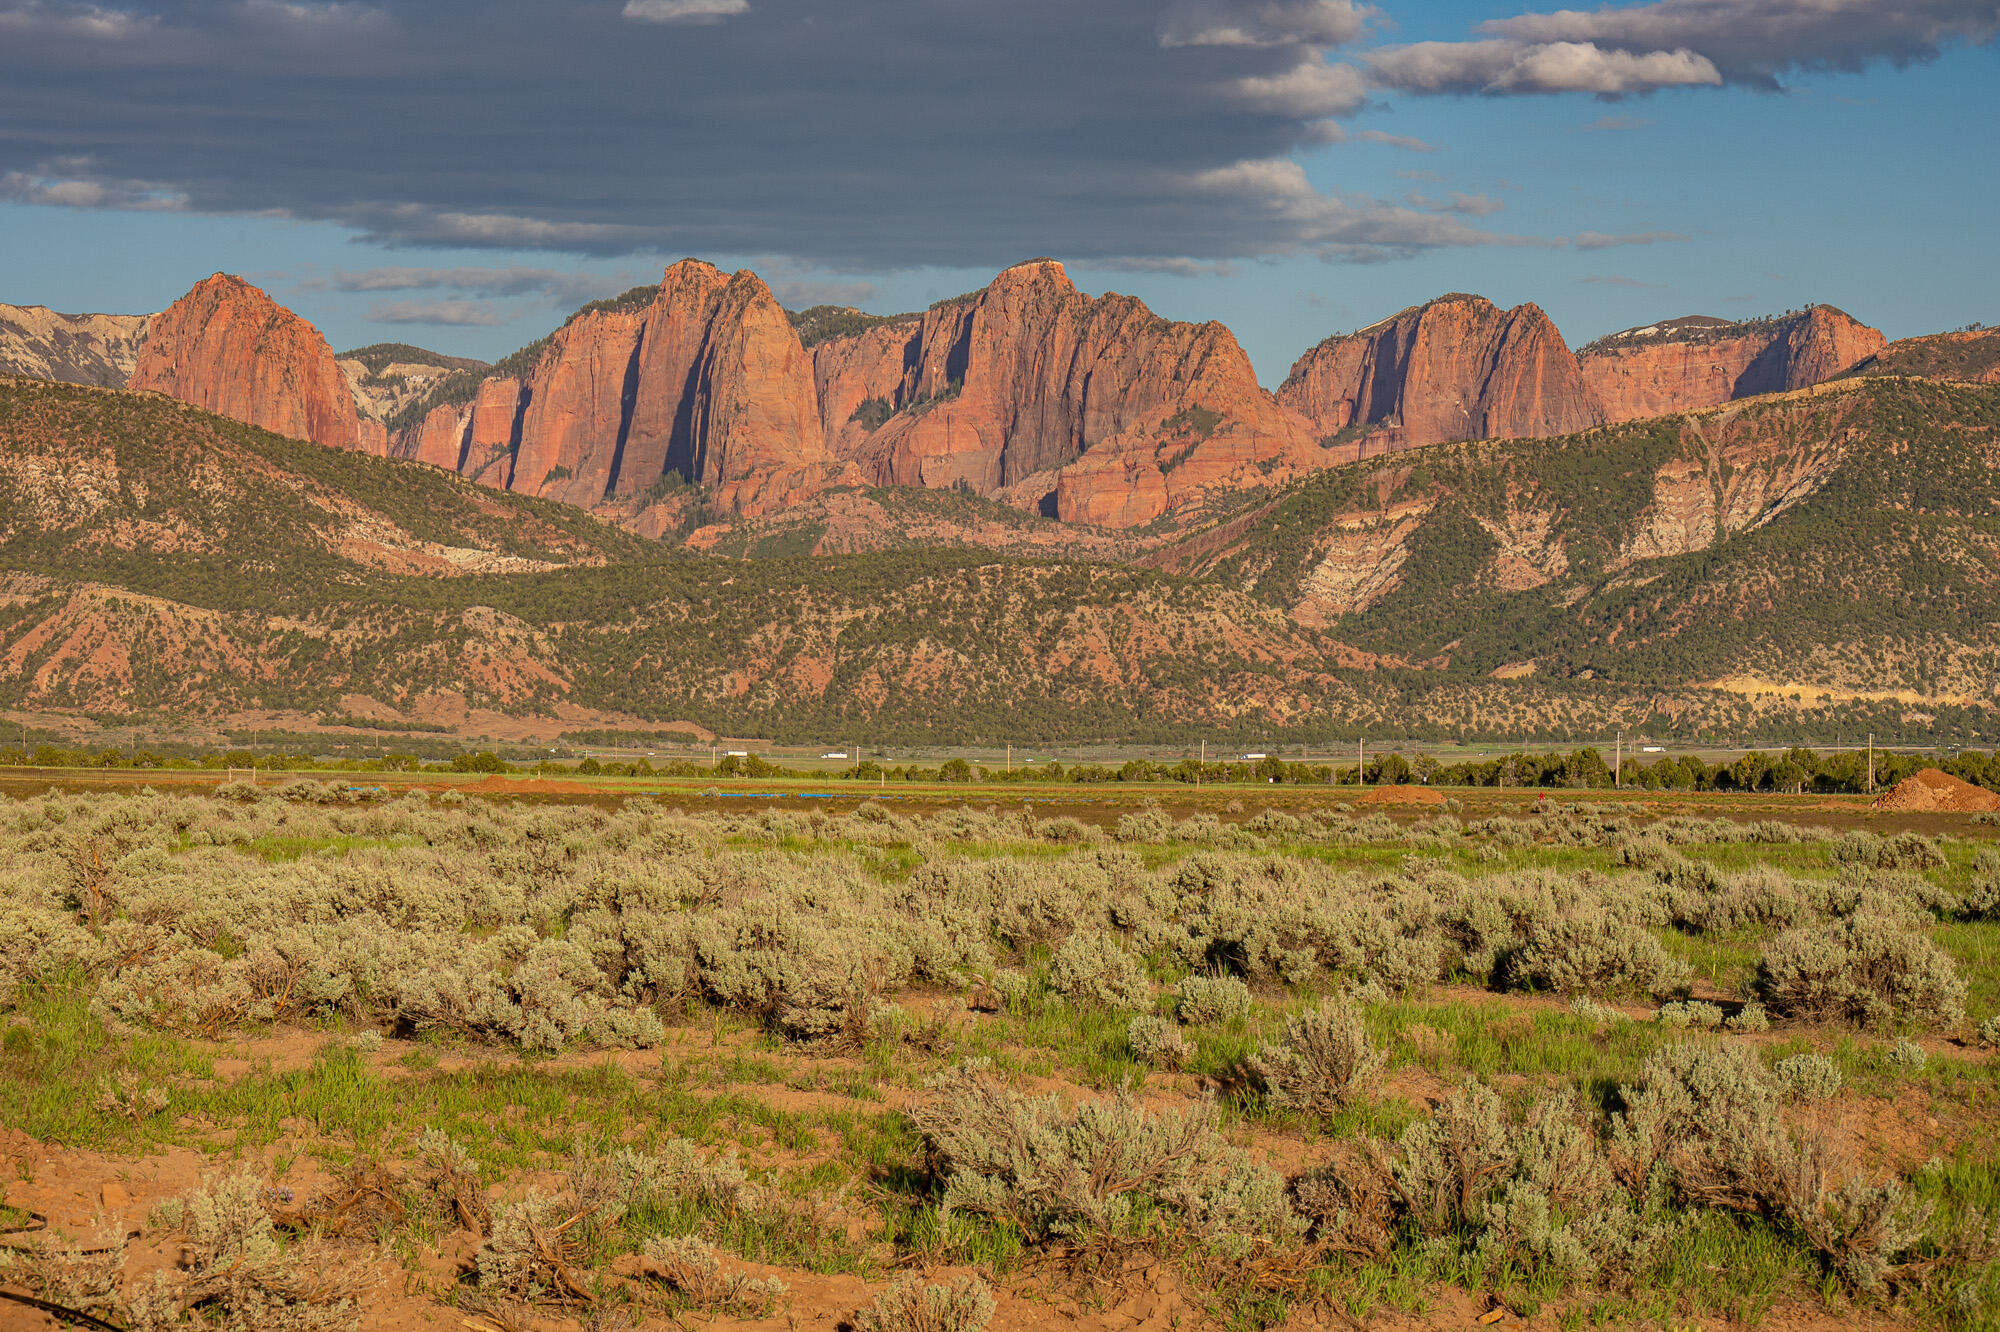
[(498, 785), (1931, 791), (1401, 795)]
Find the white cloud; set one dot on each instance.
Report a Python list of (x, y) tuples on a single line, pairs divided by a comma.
[(415, 224), (1310, 89), (1332, 227), (1263, 22), (1597, 240), (1752, 40), (1172, 267), (562, 288), (75, 182), (799, 294), (1519, 67), (452, 314), (684, 11), (91, 22)]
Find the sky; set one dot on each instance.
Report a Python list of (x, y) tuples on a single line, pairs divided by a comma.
[(462, 175)]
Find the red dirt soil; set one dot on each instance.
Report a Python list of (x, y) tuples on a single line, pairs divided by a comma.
[(1932, 791), (1401, 795), (497, 785)]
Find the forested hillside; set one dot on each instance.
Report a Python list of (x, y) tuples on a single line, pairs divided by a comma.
[(1846, 537), (1790, 567)]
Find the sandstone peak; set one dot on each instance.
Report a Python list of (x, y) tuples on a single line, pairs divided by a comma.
[(1455, 367), (1695, 361), (1033, 273), (1090, 409), (228, 347)]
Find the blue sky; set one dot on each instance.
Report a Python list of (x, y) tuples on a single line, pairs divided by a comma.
[(418, 174)]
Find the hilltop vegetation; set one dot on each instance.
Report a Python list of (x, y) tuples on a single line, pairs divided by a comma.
[(157, 558), (1846, 537), (822, 323), (1971, 353), (379, 356)]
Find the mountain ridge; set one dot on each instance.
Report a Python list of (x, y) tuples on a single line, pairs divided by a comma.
[(163, 560)]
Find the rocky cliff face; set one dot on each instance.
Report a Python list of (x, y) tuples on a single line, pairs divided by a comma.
[(1698, 361), (1458, 367), (702, 378), (1092, 410), (229, 348), (94, 349)]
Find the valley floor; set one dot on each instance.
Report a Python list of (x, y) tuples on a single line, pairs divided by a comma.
[(478, 1055)]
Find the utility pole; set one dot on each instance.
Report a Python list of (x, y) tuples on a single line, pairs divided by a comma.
[(1010, 757), (1361, 763), (1871, 763), (1618, 765)]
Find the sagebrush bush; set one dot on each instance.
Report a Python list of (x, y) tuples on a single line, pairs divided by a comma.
[(1809, 1077), (1867, 969), (1098, 1171), (1203, 1000), (1696, 1013), (909, 1305), (1154, 1040), (1095, 968), (235, 1274), (1595, 953), (690, 1266), (1324, 1061)]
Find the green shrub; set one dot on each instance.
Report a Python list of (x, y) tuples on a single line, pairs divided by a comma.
[(1156, 1041), (1907, 1056), (1809, 1077), (1867, 969), (909, 1305), (1204, 1000), (1096, 1172), (1594, 953), (1324, 1061), (690, 1267), (1095, 968)]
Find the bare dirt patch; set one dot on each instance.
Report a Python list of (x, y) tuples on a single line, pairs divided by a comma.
[(1931, 791), (1401, 795)]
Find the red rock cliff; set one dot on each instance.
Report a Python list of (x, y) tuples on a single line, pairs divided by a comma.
[(1458, 367), (703, 377), (1092, 409), (229, 348), (1697, 361)]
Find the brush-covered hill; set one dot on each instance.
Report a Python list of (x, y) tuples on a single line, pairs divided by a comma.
[(1687, 576), (1840, 539), (155, 558), (102, 482)]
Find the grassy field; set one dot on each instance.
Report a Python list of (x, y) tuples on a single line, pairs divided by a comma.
[(407, 1053)]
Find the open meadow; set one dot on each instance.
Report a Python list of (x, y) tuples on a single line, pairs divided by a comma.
[(494, 1053)]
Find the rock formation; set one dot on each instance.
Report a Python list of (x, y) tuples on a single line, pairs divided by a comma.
[(1088, 409), (93, 349), (1093, 410), (702, 377), (229, 348), (1458, 367), (1679, 365)]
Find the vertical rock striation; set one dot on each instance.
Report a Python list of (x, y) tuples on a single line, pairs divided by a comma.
[(1458, 367), (229, 348)]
